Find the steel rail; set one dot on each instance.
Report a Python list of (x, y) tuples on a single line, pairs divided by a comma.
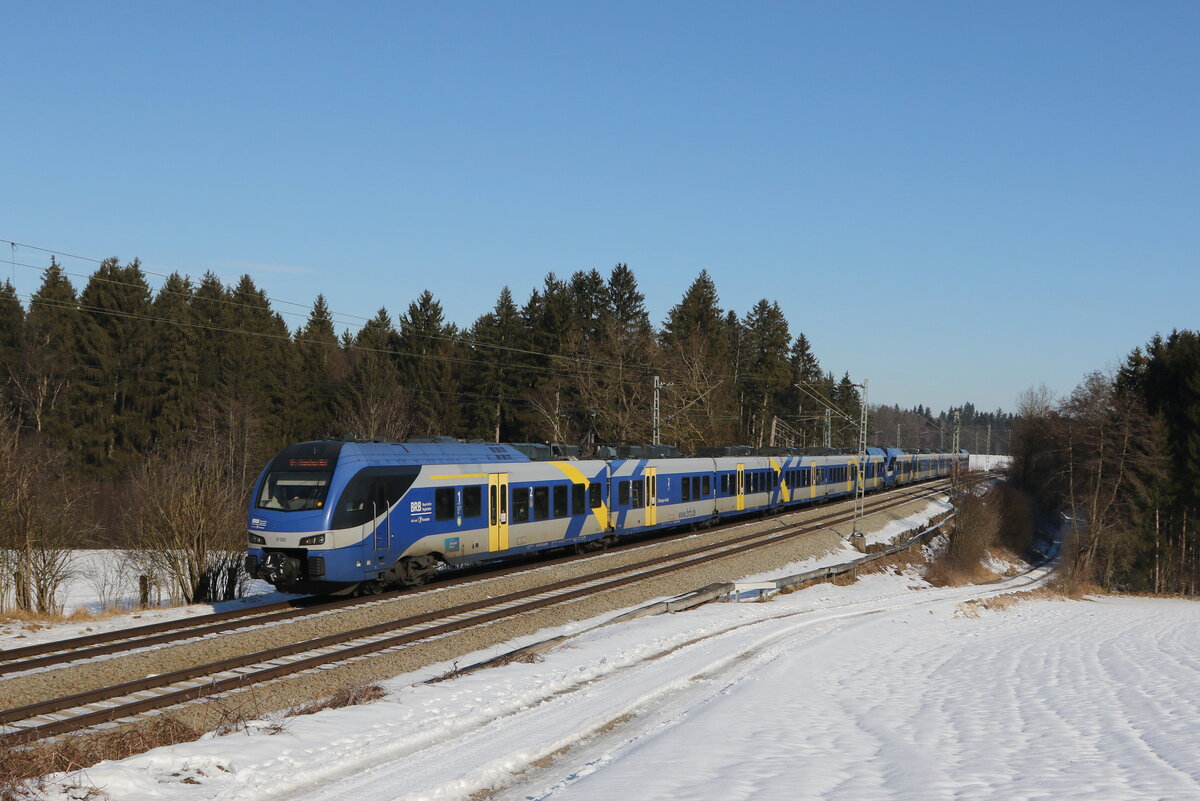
[(508, 605), (64, 652)]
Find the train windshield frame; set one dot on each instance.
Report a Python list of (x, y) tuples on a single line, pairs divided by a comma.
[(294, 490)]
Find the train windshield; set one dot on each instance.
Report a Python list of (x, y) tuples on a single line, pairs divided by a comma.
[(294, 491)]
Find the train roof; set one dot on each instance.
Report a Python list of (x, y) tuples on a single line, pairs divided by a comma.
[(407, 452)]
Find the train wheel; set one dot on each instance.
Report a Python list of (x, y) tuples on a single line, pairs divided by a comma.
[(370, 588)]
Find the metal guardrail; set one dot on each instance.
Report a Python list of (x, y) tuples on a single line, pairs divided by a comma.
[(704, 595), (731, 590)]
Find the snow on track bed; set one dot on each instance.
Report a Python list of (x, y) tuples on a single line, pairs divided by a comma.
[(876, 690)]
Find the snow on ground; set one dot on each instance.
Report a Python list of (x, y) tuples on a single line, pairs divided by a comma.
[(983, 461), (878, 690), (103, 583)]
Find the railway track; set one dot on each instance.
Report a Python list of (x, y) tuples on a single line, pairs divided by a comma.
[(122, 641), (128, 699)]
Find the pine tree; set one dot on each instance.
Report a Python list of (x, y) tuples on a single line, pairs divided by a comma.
[(429, 362), (173, 365), (496, 379), (114, 392), (806, 371), (50, 359), (375, 403), (322, 368), (12, 339), (768, 375), (695, 342)]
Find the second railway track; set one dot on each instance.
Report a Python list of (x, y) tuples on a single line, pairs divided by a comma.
[(126, 699)]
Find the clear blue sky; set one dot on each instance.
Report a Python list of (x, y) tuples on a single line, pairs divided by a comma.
[(955, 200)]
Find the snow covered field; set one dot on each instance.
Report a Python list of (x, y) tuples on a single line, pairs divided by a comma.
[(884, 689)]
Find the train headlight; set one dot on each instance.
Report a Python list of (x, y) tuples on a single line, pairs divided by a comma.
[(316, 539), (258, 539)]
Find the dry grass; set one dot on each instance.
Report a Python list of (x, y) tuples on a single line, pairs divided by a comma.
[(998, 603), (347, 696), (35, 621), (21, 767), (941, 573)]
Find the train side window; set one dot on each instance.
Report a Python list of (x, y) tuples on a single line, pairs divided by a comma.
[(594, 499), (443, 503), (520, 505), (623, 493), (560, 501), (706, 485), (472, 501), (724, 484), (578, 499), (635, 498), (541, 503), (696, 487), (685, 487)]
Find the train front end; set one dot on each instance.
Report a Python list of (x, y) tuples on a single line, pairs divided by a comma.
[(291, 542)]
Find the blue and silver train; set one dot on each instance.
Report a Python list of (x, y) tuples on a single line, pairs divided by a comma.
[(336, 517)]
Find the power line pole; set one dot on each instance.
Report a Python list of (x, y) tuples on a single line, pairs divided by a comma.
[(828, 428), (860, 492), (657, 436)]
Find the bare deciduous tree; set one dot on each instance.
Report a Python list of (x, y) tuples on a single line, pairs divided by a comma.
[(187, 515), (39, 522)]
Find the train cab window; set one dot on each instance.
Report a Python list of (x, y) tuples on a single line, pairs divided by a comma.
[(472, 501), (520, 504), (578, 499), (294, 491), (594, 499), (685, 487), (623, 493), (541, 503), (706, 485), (443, 503), (560, 501), (635, 493)]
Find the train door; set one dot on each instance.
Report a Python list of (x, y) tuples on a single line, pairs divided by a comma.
[(651, 474), (377, 528), (497, 512), (741, 487)]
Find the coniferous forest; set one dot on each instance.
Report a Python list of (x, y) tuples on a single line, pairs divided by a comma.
[(128, 411), (1117, 465)]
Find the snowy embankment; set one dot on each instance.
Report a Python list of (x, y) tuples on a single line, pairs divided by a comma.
[(886, 688)]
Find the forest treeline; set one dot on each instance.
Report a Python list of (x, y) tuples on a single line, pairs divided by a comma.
[(1118, 465), (109, 393), (119, 371)]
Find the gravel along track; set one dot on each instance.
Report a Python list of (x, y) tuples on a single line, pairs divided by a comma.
[(290, 691)]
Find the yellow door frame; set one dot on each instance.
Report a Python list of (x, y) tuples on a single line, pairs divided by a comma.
[(497, 512), (651, 475)]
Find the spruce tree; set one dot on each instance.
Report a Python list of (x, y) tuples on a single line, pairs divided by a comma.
[(496, 379), (114, 393), (173, 364), (375, 401), (768, 375), (429, 362), (50, 362), (12, 338), (322, 367)]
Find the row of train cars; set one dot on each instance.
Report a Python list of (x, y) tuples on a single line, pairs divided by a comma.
[(341, 516)]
